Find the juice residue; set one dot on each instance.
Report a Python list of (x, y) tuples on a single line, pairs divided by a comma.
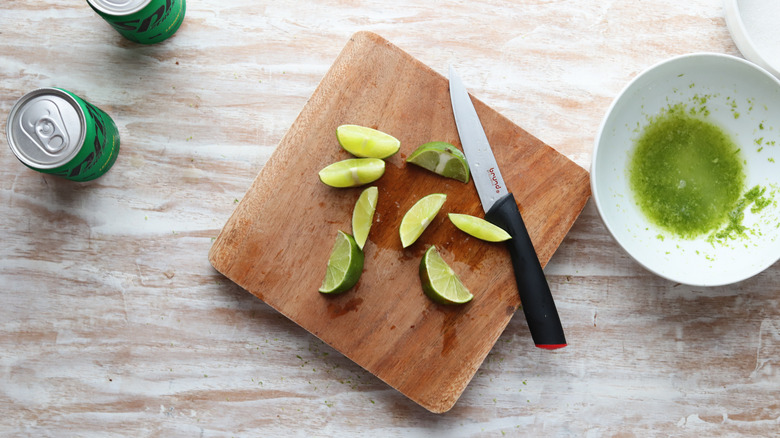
[(686, 173), (734, 227)]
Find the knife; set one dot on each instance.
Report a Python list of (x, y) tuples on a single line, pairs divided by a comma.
[(501, 209)]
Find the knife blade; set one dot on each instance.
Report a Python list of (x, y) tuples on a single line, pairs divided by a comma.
[(501, 209)]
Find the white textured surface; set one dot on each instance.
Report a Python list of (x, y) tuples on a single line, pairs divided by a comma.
[(113, 323), (760, 18)]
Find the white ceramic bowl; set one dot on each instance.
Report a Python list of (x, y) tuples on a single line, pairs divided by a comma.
[(743, 100)]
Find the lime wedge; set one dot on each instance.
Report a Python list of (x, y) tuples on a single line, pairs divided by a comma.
[(363, 215), (440, 282), (361, 141), (417, 219), (441, 158), (352, 172), (344, 265), (479, 228)]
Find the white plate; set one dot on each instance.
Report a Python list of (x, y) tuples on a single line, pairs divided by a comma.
[(744, 101), (753, 25)]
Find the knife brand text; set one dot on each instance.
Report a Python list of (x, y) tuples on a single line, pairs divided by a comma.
[(494, 178)]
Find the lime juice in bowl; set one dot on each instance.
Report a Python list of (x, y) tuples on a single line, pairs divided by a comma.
[(733, 98)]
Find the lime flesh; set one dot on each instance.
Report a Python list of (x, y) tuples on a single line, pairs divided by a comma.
[(363, 215), (362, 141), (479, 228), (439, 282), (441, 158), (352, 172), (344, 265), (417, 219)]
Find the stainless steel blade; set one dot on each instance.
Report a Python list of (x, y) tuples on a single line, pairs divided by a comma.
[(482, 164)]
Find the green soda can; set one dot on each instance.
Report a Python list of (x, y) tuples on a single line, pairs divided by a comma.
[(56, 132), (142, 21)]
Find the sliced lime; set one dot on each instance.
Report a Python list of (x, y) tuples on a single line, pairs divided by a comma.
[(344, 265), (363, 215), (361, 141), (441, 158), (417, 219), (352, 172), (439, 281), (479, 228)]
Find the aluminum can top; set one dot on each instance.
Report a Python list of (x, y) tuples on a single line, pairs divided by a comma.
[(119, 7), (46, 128)]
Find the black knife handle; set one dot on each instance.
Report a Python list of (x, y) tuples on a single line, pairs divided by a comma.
[(535, 296)]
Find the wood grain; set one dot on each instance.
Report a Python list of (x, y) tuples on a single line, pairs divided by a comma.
[(276, 245), (113, 323)]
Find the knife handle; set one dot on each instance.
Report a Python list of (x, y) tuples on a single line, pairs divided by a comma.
[(535, 296)]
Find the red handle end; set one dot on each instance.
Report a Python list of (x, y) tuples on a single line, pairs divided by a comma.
[(551, 346)]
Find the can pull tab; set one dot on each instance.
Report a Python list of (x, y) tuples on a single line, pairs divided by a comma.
[(43, 124)]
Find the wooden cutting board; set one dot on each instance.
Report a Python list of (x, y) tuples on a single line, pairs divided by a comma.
[(277, 242)]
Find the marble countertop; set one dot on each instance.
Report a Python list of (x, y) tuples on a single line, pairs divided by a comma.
[(113, 322)]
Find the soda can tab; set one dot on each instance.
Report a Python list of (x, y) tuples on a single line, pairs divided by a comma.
[(53, 131), (142, 21)]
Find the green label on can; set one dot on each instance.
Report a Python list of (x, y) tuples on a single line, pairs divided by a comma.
[(100, 148), (53, 131), (154, 23)]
